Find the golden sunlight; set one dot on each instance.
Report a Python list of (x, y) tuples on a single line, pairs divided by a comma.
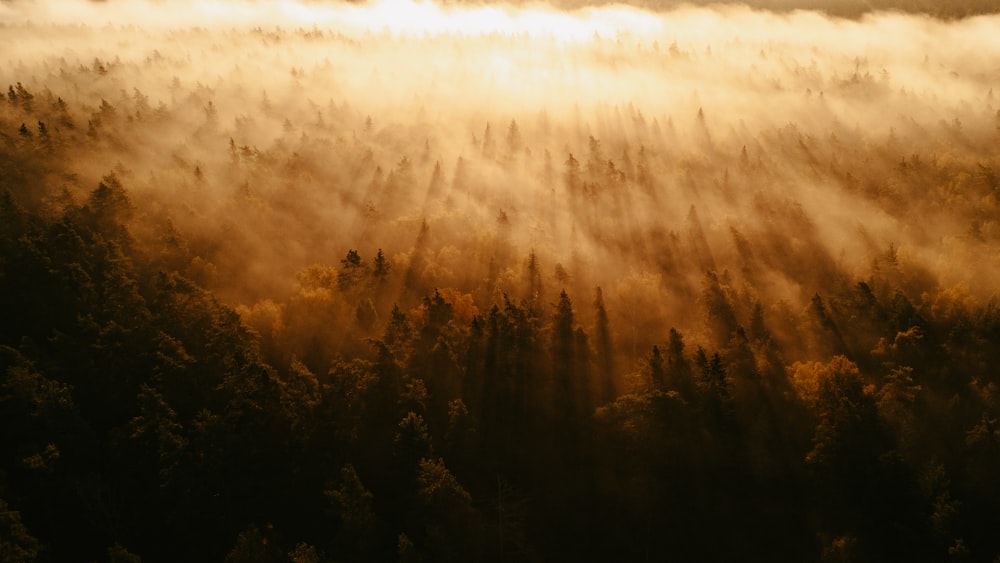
[(316, 280)]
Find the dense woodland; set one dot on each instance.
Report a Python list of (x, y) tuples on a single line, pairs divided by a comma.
[(658, 314)]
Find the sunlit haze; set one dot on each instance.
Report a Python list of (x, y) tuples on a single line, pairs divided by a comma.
[(481, 247)]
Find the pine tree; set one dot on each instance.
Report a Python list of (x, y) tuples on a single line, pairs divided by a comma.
[(657, 369), (513, 139), (380, 266), (605, 351)]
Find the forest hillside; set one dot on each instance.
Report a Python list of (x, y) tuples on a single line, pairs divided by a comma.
[(406, 281)]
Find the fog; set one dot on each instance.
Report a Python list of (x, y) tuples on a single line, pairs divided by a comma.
[(789, 151), (465, 281)]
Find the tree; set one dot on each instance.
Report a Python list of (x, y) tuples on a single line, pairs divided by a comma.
[(254, 545), (511, 395), (534, 274), (157, 431), (513, 139), (679, 375), (365, 313), (118, 554), (460, 179), (406, 552), (595, 160), (17, 545), (605, 351), (353, 506), (846, 415), (824, 324), (436, 185), (352, 271), (572, 175), (24, 97), (451, 524), (411, 443), (714, 387), (656, 367), (353, 259), (721, 317), (437, 313), (304, 553), (758, 328), (43, 136), (108, 208), (461, 434), (434, 357), (896, 400), (489, 144), (381, 266), (399, 334), (548, 174), (569, 370), (644, 176)]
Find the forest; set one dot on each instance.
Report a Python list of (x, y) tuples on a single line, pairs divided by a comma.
[(404, 281)]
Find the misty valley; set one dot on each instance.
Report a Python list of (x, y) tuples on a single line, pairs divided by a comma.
[(406, 281)]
